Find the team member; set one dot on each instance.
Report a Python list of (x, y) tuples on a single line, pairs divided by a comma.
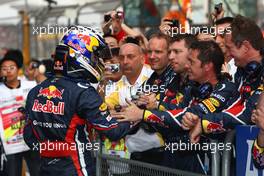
[(245, 47), (61, 108), (213, 94)]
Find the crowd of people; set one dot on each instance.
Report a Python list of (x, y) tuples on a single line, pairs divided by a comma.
[(140, 94)]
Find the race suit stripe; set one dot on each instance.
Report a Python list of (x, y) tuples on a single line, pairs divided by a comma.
[(80, 149)]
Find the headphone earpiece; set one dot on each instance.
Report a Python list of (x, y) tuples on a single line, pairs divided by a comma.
[(253, 69), (42, 69), (40, 66)]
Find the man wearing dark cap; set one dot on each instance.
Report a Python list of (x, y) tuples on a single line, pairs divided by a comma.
[(13, 93)]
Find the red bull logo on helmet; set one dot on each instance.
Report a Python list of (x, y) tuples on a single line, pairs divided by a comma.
[(76, 46), (84, 40), (89, 41), (58, 65), (51, 92)]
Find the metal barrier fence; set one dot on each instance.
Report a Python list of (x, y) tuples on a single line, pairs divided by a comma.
[(223, 168), (113, 166), (215, 161), (107, 165), (227, 154)]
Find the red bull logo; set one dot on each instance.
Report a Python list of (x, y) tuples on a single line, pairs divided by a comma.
[(84, 38), (58, 65), (215, 127), (88, 41), (49, 107), (51, 92), (154, 119), (178, 98), (92, 42), (77, 47)]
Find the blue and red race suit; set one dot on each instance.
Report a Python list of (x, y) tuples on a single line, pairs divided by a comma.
[(168, 121), (59, 112), (240, 112), (221, 97)]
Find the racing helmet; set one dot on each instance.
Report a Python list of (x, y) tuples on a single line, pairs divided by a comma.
[(80, 54)]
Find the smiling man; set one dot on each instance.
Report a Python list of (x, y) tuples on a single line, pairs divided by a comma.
[(223, 27), (212, 94), (245, 47)]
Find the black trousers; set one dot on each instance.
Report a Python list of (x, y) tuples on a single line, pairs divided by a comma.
[(184, 160), (13, 166), (152, 156)]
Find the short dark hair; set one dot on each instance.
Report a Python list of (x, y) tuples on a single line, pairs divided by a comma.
[(48, 64), (150, 32), (14, 55), (188, 39), (34, 60), (209, 51), (246, 29), (160, 35), (131, 39), (224, 20)]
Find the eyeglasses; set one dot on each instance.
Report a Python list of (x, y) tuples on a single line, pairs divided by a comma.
[(8, 68)]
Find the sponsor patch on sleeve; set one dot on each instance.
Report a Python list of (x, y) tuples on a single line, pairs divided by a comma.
[(215, 102), (212, 127), (103, 107), (209, 105)]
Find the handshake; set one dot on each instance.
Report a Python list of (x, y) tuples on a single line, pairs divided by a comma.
[(145, 101), (134, 110)]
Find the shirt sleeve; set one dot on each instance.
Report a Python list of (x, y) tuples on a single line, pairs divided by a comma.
[(92, 108), (219, 99), (239, 113), (30, 136)]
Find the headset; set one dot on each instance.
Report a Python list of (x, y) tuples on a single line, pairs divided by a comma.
[(253, 70), (40, 66), (202, 91)]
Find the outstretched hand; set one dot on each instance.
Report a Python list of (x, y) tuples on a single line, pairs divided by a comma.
[(129, 114), (149, 101)]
